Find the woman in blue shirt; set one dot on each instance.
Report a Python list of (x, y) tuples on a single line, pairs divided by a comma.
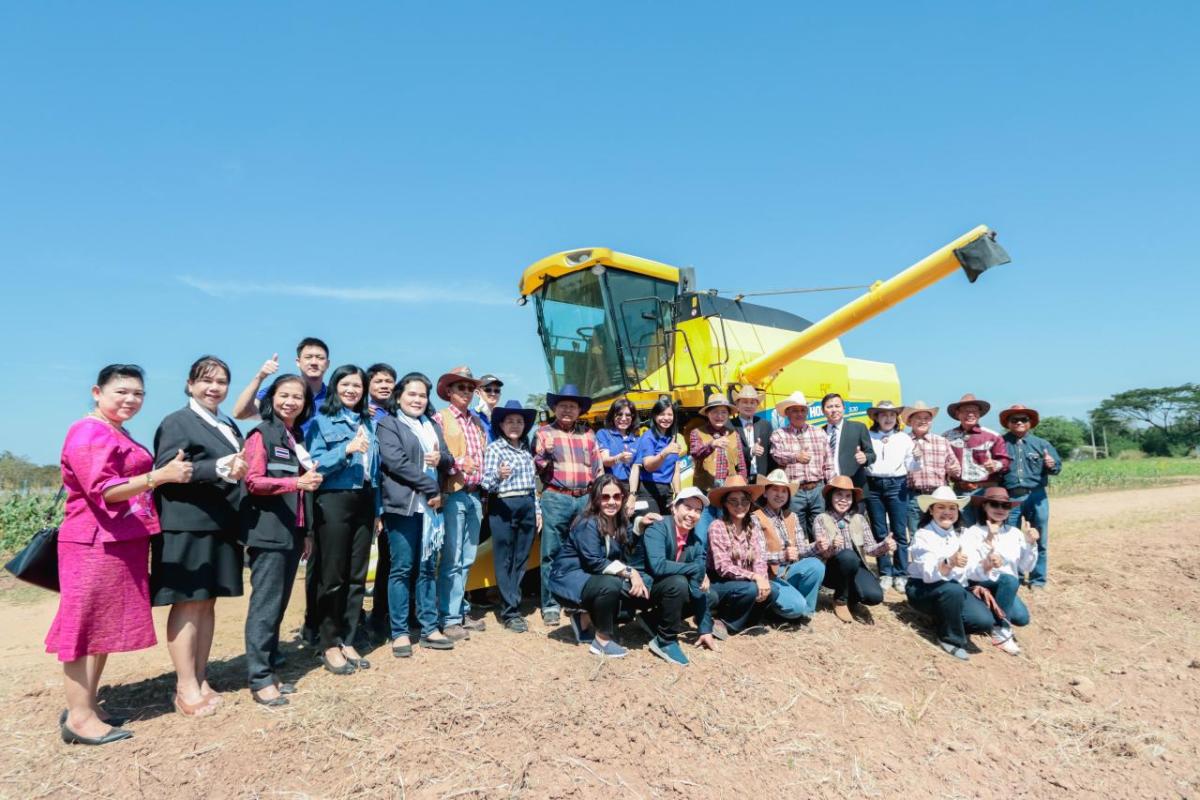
[(341, 441), (656, 459), (617, 439)]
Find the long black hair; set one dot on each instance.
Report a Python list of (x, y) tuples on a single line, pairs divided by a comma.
[(664, 402), (618, 526), (332, 405), (266, 406), (623, 404)]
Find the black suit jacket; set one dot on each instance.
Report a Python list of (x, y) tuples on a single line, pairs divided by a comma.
[(854, 435), (762, 434), (206, 503)]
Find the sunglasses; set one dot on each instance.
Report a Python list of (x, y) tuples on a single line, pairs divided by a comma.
[(995, 504), (1019, 419), (491, 390), (610, 497), (461, 387), (736, 500)]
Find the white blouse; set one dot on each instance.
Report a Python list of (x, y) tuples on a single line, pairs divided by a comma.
[(893, 454), (1010, 544), (932, 546)]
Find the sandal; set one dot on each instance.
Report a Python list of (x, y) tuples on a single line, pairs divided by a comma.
[(205, 708)]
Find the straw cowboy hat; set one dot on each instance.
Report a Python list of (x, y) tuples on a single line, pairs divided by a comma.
[(735, 484), (452, 377), (842, 482), (777, 477), (793, 399), (569, 392), (920, 405), (942, 494), (717, 400), (969, 399), (884, 405), (1017, 408), (500, 413), (994, 494), (747, 392)]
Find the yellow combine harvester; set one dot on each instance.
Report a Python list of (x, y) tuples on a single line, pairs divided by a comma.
[(617, 325)]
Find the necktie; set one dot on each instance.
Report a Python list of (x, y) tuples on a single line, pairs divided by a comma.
[(833, 437)]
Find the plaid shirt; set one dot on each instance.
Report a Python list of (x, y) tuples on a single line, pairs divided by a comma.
[(982, 444), (787, 444), (566, 459), (804, 548), (699, 449), (523, 477), (936, 463), (738, 559), (474, 437)]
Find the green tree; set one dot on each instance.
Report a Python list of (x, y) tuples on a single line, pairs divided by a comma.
[(1065, 434), (1163, 421), (537, 401)]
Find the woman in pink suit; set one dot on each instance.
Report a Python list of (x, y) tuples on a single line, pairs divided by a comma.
[(103, 550)]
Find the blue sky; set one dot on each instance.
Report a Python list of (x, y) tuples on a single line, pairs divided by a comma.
[(186, 178)]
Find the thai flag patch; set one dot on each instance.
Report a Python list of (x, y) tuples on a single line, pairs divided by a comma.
[(282, 452)]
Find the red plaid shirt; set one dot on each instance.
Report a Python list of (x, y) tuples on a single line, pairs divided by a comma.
[(699, 449), (936, 463), (566, 459), (737, 558), (787, 444), (476, 443)]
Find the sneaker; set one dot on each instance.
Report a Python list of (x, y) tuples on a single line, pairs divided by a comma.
[(609, 649), (955, 651), (1002, 637), (670, 652), (582, 635), (456, 633), (899, 583), (474, 624), (720, 632), (550, 617), (516, 625), (885, 582)]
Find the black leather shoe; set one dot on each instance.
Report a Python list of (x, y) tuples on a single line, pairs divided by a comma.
[(114, 735), (437, 644), (116, 722), (286, 688), (272, 703), (361, 663), (402, 650), (345, 669)]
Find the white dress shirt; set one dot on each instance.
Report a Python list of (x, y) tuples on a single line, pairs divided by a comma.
[(1010, 544), (932, 546), (893, 454)]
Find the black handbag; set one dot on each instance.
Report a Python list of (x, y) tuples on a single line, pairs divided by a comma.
[(37, 563)]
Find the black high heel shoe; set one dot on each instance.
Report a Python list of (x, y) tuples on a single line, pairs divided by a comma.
[(114, 735)]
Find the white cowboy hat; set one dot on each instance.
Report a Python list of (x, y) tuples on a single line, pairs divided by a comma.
[(793, 399), (884, 405), (747, 392), (920, 405), (942, 494)]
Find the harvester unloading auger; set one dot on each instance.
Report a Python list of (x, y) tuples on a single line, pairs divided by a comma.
[(617, 325)]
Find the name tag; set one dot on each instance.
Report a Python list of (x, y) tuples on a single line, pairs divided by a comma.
[(282, 452)]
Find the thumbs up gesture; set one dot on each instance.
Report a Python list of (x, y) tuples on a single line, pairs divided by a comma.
[(310, 480), (959, 559), (177, 470), (269, 367), (360, 443), (238, 466), (859, 455), (890, 541), (1048, 459), (433, 456), (505, 470), (803, 457), (1032, 535)]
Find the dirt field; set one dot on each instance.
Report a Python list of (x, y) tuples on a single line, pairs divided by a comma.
[(1103, 702)]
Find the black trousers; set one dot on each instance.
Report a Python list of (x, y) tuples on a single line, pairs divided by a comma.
[(344, 527), (851, 581), (312, 580), (658, 495), (272, 573), (513, 521), (603, 596)]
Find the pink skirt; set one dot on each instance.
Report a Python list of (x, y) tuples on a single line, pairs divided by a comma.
[(104, 599)]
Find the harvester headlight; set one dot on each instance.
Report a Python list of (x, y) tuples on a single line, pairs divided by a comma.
[(522, 300), (577, 257), (598, 269)]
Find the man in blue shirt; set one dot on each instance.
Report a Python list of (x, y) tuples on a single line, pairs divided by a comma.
[(312, 359), (1033, 461)]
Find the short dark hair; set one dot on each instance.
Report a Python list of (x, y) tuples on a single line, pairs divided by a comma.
[(829, 397), (419, 377), (202, 366), (388, 404), (311, 341), (621, 404), (664, 402), (266, 406), (113, 371), (375, 369), (332, 404)]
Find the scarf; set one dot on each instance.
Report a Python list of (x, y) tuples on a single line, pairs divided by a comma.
[(433, 528)]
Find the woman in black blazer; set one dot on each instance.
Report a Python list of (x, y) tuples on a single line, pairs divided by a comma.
[(197, 558)]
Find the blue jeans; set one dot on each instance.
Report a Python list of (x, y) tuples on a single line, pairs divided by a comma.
[(407, 578), (887, 506), (1035, 507), (798, 586), (737, 603), (463, 515), (1004, 589), (807, 505), (558, 511)]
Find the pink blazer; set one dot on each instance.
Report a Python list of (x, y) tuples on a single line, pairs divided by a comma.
[(96, 457)]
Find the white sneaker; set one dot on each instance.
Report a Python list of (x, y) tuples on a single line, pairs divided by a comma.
[(885, 582), (899, 583), (1002, 637)]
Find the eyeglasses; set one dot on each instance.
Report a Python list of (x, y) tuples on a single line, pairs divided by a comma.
[(1024, 420), (491, 390), (737, 500)]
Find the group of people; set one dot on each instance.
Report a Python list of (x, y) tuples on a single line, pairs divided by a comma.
[(333, 465)]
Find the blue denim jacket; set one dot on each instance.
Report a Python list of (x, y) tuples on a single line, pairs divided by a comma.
[(1028, 470), (326, 441)]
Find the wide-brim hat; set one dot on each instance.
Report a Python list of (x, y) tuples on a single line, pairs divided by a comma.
[(885, 405), (569, 392), (717, 400), (735, 484), (942, 494), (920, 405), (793, 399), (747, 392), (968, 399), (842, 482), (1017, 408), (508, 409), (455, 375), (994, 494), (777, 477)]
